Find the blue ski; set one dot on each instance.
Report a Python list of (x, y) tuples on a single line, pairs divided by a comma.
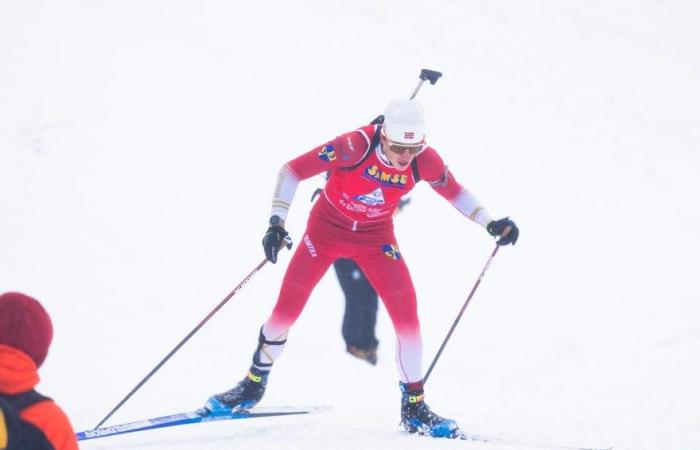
[(194, 417)]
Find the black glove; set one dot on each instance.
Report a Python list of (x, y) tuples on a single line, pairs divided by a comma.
[(505, 229), (275, 238)]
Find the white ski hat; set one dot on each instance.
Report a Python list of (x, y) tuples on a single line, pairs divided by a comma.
[(404, 122)]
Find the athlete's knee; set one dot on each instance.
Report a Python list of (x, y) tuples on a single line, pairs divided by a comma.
[(285, 314), (405, 318), (290, 303), (409, 325)]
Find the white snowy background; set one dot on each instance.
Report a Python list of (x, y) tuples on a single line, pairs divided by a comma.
[(139, 144)]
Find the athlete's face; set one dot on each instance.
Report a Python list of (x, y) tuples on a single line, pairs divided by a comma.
[(399, 155)]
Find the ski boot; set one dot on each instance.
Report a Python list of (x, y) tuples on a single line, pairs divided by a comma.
[(416, 416), (368, 354), (245, 395)]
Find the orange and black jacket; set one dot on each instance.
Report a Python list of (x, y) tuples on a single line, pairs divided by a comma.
[(18, 376)]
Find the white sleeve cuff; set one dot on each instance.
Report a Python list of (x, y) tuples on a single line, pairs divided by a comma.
[(285, 188), (469, 206)]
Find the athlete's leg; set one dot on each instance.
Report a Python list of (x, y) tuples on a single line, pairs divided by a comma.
[(305, 270), (389, 275), (386, 270), (308, 265)]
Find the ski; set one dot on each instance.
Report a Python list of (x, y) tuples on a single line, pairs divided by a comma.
[(504, 441), (195, 417)]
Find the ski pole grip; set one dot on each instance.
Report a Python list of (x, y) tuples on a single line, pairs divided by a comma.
[(430, 75)]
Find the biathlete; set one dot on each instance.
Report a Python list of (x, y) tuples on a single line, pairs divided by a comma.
[(370, 170)]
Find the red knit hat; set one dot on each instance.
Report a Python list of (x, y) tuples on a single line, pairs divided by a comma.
[(25, 325)]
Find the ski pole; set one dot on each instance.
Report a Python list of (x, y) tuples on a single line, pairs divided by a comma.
[(426, 74), (182, 342), (459, 316)]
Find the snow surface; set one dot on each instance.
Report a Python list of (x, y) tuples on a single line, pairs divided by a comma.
[(139, 143)]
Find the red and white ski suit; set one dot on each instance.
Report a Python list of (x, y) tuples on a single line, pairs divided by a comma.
[(353, 219)]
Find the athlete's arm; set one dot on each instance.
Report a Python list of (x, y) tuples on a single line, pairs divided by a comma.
[(343, 151), (434, 171)]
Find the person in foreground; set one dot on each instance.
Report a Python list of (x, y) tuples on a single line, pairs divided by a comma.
[(370, 170), (29, 420)]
